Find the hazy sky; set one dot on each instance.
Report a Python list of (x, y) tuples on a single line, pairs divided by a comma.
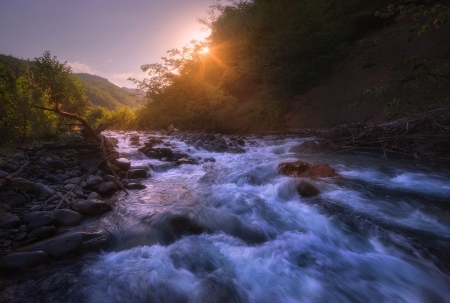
[(109, 38)]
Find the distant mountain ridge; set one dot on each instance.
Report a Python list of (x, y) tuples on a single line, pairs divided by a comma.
[(103, 93)]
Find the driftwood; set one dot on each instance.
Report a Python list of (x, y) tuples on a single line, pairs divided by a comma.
[(426, 135)]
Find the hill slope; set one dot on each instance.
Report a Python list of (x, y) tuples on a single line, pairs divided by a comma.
[(103, 93)]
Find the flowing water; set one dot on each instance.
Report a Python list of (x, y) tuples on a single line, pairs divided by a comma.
[(236, 231)]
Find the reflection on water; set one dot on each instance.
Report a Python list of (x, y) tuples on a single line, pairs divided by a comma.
[(236, 231)]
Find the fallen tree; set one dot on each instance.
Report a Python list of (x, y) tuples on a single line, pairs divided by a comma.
[(425, 135)]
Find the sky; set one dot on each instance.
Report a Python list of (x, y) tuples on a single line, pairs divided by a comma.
[(108, 38)]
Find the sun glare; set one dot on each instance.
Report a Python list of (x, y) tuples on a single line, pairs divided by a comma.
[(205, 50)]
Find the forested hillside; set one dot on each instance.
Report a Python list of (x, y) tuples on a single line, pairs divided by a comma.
[(265, 53), (103, 93)]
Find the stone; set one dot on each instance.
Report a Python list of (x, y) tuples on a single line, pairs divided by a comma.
[(159, 153), (19, 156), (136, 186), (94, 180), (42, 232), (134, 138), (23, 261), (44, 220), (122, 163), (307, 189), (8, 220), (66, 217), (42, 191), (27, 218), (307, 170), (12, 198), (93, 195), (106, 187), (91, 207), (186, 161), (7, 243), (70, 244), (137, 174), (305, 147), (240, 142), (211, 159), (19, 184)]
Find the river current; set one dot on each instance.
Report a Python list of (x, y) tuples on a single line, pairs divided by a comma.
[(235, 230)]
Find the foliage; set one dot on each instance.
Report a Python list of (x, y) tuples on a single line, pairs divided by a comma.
[(273, 48), (122, 118), (103, 93)]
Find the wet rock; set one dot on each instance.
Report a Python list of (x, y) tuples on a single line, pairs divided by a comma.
[(134, 138), (12, 198), (182, 225), (45, 220), (42, 191), (106, 187), (8, 220), (93, 195), (134, 186), (70, 244), (305, 147), (27, 218), (42, 232), (211, 159), (113, 141), (65, 217), (307, 189), (23, 261), (94, 180), (137, 174), (160, 153), (122, 163), (91, 207), (236, 150), (307, 170), (240, 142)]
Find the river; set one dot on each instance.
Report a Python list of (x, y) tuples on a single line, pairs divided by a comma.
[(235, 230)]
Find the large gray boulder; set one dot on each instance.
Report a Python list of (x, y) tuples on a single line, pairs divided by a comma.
[(107, 187), (122, 163), (70, 244), (23, 261), (91, 207)]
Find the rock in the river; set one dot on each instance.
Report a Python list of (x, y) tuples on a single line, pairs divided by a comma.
[(160, 153), (42, 191), (67, 217), (45, 220), (307, 189), (23, 261), (41, 232), (69, 244), (134, 138), (134, 186), (137, 174), (91, 207), (305, 147), (106, 187), (122, 163), (8, 220), (307, 170)]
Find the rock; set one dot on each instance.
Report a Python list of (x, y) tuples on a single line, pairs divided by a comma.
[(122, 163), (27, 218), (307, 189), (91, 207), (19, 156), (65, 217), (69, 244), (44, 220), (58, 164), (106, 187), (308, 170), (23, 261), (137, 174), (211, 159), (7, 243), (19, 184), (12, 198), (240, 142), (94, 180), (8, 220), (134, 186), (42, 191), (113, 140), (159, 153), (186, 161), (3, 174), (93, 195), (42, 232), (305, 147), (236, 150), (134, 138)]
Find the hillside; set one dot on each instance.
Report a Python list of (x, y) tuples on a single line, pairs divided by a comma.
[(103, 93)]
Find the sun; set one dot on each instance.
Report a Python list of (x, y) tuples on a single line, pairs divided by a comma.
[(204, 50)]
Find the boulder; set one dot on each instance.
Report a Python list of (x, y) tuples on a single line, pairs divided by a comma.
[(65, 217), (91, 207), (307, 189), (94, 180), (27, 218), (159, 153), (12, 198), (42, 191), (106, 187), (305, 147), (122, 163), (134, 186), (307, 170), (210, 159), (186, 161), (93, 195), (137, 174), (69, 244), (44, 220), (41, 232), (134, 138), (8, 220), (23, 261)]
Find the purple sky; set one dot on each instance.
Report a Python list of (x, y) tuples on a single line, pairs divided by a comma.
[(108, 38)]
